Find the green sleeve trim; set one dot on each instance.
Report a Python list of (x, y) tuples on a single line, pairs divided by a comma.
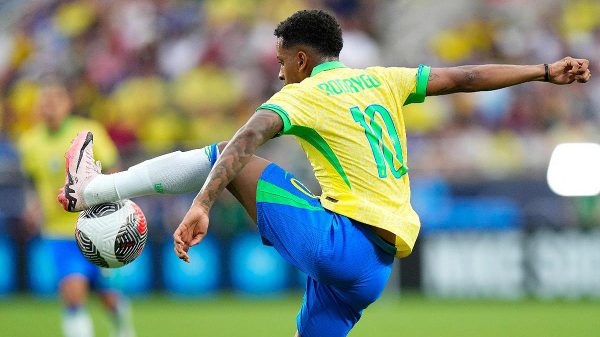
[(421, 88), (311, 136), (314, 138), (267, 192), (287, 124), (326, 66)]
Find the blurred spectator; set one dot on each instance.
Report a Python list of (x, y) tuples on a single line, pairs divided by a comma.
[(42, 149)]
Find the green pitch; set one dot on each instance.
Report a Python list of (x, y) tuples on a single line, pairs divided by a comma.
[(228, 316)]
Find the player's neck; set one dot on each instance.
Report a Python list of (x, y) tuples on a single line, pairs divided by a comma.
[(326, 59)]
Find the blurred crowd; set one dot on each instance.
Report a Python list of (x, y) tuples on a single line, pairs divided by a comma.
[(162, 75), (503, 133), (165, 74)]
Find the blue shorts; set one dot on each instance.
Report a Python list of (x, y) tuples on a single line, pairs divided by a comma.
[(69, 261), (346, 270)]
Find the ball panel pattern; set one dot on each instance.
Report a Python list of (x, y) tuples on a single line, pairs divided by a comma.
[(130, 241), (112, 235), (89, 250), (102, 210)]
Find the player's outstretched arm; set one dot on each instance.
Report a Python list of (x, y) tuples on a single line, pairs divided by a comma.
[(261, 127), (450, 80)]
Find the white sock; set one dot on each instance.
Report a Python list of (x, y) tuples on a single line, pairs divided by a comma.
[(123, 321), (172, 173), (76, 322)]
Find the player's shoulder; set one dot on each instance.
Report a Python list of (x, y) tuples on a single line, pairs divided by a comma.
[(295, 88), (386, 71), (376, 69)]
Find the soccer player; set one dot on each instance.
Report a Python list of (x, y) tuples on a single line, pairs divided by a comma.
[(42, 160), (349, 122)]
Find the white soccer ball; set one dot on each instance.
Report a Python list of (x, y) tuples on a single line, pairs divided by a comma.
[(112, 235)]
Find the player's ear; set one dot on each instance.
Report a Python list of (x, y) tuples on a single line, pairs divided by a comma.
[(302, 61)]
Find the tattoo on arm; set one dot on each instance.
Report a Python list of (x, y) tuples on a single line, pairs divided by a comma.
[(436, 85), (470, 76), (456, 79), (263, 126), (480, 77)]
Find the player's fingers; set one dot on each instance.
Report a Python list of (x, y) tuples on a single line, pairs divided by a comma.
[(177, 250), (184, 256), (570, 64), (588, 74), (177, 246), (584, 77), (584, 63), (181, 253), (196, 240), (574, 65), (580, 69), (177, 236)]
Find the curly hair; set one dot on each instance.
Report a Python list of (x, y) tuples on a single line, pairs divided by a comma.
[(314, 28)]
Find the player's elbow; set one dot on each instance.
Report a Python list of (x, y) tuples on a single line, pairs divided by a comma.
[(250, 135)]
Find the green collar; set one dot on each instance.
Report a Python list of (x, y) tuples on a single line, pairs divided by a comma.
[(326, 66)]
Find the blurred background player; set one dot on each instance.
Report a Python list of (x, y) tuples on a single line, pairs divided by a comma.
[(43, 161)]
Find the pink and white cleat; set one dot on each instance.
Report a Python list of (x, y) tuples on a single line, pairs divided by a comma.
[(80, 170)]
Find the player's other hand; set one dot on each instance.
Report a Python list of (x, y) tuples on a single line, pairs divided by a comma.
[(191, 230), (569, 70)]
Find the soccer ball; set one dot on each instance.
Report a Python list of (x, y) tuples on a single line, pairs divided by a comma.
[(112, 235)]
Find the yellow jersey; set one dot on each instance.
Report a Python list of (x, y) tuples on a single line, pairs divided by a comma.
[(43, 160), (350, 124)]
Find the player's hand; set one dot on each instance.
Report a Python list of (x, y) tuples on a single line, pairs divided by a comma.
[(191, 230), (569, 70)]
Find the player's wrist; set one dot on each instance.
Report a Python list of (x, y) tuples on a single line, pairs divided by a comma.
[(203, 201), (543, 72)]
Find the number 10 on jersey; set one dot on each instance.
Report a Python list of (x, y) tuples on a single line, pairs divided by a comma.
[(374, 134)]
